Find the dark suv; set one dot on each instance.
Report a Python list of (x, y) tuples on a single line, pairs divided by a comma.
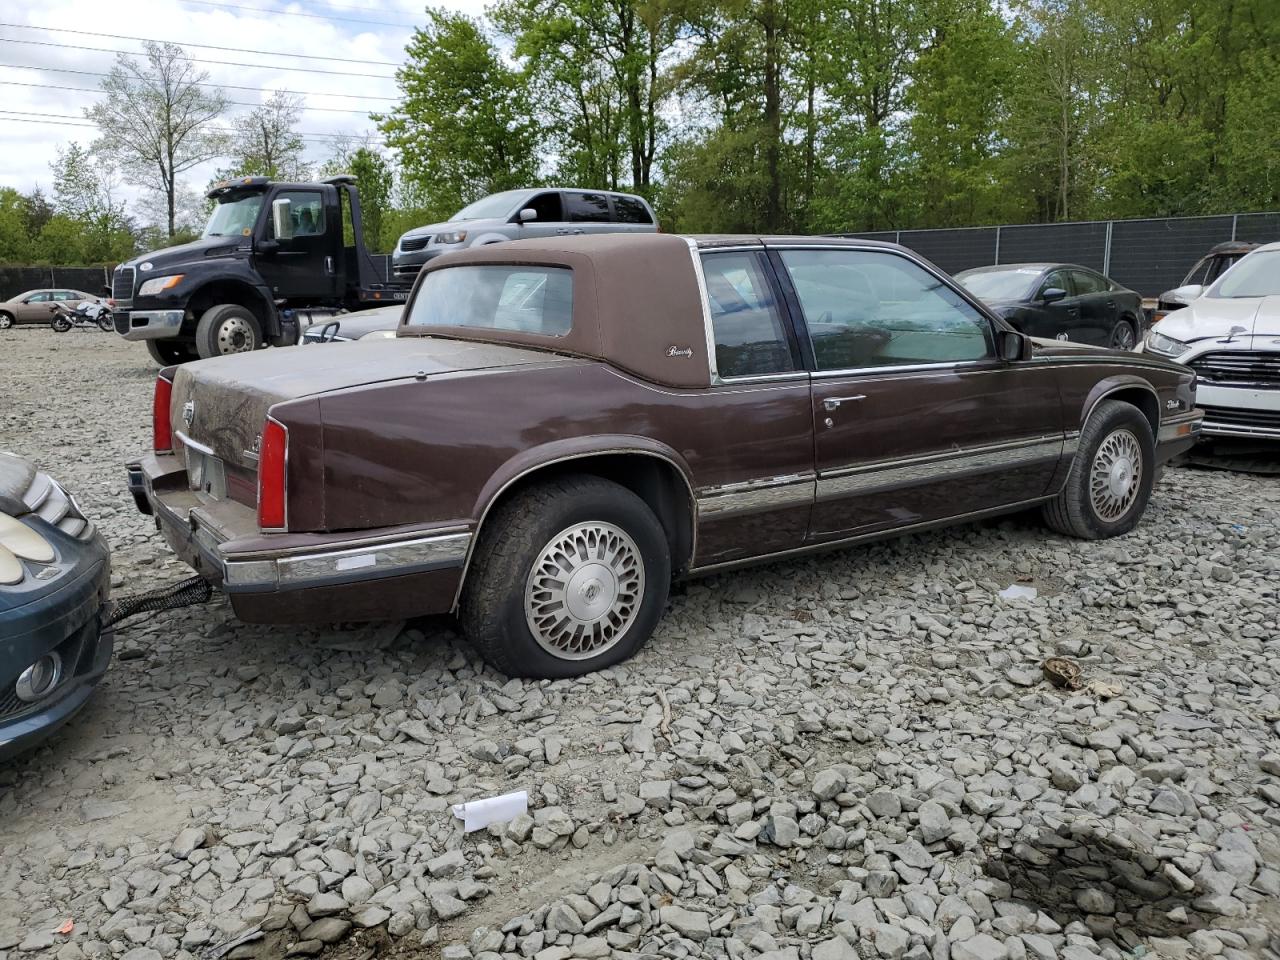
[(522, 215)]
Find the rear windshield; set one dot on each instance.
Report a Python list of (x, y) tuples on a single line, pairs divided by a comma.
[(525, 299)]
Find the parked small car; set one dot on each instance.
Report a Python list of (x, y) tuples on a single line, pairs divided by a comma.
[(379, 322), (563, 425), (1208, 268), (1230, 336), (35, 306), (523, 215), (55, 573), (1060, 301)]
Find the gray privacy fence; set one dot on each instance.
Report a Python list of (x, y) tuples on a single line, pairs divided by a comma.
[(1149, 256), (15, 280)]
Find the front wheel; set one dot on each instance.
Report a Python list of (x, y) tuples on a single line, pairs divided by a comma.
[(569, 577), (1110, 480), (225, 329), (1123, 336), (168, 352), (6, 321), (105, 323)]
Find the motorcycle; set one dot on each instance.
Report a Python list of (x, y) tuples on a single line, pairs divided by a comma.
[(87, 314)]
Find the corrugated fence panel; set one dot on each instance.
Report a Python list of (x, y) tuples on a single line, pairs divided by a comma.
[(1151, 256), (954, 250), (1258, 227), (1081, 243)]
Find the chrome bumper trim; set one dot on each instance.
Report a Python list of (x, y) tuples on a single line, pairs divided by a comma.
[(1187, 425), (770, 493), (159, 325)]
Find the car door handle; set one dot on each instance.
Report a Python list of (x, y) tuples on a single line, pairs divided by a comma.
[(563, 231), (833, 403)]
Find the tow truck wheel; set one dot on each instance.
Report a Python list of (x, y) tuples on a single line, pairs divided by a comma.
[(225, 329), (168, 352)]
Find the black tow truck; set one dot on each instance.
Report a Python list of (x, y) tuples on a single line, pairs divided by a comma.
[(273, 258)]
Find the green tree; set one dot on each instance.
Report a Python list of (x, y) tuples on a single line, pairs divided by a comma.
[(156, 120), (265, 142), (15, 239), (465, 125), (374, 183)]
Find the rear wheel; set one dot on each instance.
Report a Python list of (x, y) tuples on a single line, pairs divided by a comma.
[(1123, 337), (60, 323), (1110, 481), (168, 352), (569, 577), (225, 329)]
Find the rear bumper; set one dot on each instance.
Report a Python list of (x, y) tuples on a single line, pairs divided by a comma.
[(149, 324), (301, 578)]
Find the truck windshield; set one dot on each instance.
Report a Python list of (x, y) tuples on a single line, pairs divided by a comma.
[(1257, 275), (234, 218)]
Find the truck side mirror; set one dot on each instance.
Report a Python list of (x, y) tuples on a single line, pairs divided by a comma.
[(527, 214), (282, 218)]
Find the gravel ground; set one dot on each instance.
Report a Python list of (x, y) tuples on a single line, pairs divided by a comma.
[(850, 756)]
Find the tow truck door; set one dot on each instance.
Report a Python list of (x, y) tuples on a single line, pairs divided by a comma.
[(305, 266)]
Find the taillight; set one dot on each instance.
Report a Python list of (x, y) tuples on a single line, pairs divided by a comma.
[(161, 426), (273, 459)]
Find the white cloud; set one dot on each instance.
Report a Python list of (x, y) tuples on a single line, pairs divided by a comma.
[(356, 29)]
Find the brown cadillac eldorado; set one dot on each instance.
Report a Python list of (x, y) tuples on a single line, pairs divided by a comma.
[(562, 426)]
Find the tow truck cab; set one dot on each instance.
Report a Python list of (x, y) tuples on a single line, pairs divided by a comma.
[(273, 257)]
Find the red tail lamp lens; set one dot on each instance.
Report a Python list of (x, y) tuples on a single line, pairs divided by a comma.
[(161, 425), (273, 456)]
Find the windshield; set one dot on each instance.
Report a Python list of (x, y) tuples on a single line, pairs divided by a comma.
[(235, 218), (1257, 275), (999, 284), (494, 207), (524, 299)]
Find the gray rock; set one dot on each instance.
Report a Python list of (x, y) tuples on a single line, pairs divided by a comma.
[(687, 923), (828, 783)]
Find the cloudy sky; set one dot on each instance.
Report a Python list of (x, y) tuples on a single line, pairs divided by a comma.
[(48, 77)]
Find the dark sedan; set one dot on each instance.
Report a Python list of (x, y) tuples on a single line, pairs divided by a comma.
[(1060, 301), (54, 576)]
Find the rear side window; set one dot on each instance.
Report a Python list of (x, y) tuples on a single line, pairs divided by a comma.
[(631, 210), (745, 318), (587, 207), (1087, 282), (520, 299)]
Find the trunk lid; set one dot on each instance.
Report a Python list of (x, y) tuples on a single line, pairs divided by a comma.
[(221, 403)]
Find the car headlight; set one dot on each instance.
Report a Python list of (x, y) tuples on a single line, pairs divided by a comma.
[(156, 284), (1164, 346), (19, 542), (454, 236)]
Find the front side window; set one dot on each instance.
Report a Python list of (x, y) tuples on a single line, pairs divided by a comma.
[(1257, 275), (523, 299), (631, 210), (306, 209), (1055, 281), (587, 207), (865, 308), (547, 206), (41, 297), (745, 318)]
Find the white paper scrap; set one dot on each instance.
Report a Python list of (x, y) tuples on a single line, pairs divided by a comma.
[(1015, 590), (478, 814)]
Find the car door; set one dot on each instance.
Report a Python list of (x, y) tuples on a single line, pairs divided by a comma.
[(1059, 319), (1098, 310), (915, 419), (35, 307), (551, 220), (304, 265), (754, 473)]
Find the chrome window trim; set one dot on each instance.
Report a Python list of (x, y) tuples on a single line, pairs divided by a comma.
[(982, 366), (708, 330), (198, 447)]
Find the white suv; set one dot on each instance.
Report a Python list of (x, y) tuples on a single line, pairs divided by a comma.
[(1230, 335), (520, 215)]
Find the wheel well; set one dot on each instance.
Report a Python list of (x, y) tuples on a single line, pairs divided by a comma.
[(229, 291), (654, 480), (1144, 400)]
